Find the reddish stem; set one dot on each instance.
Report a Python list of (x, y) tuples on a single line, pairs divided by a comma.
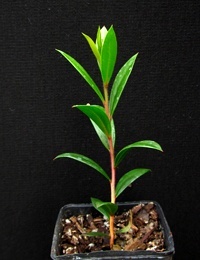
[(113, 173), (112, 161)]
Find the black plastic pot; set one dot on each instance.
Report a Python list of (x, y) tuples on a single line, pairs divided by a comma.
[(75, 209)]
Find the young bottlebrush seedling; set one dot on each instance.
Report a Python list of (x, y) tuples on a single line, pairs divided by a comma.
[(101, 116)]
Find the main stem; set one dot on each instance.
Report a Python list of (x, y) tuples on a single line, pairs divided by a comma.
[(112, 161)]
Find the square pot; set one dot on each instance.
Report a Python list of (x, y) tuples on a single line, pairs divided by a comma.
[(77, 209)]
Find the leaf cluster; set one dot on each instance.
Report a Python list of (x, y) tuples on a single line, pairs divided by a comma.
[(101, 116)]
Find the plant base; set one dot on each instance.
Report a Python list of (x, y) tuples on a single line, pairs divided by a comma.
[(152, 238)]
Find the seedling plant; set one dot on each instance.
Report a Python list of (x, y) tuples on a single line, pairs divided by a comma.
[(101, 116)]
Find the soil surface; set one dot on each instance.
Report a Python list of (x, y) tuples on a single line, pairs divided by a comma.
[(136, 229)]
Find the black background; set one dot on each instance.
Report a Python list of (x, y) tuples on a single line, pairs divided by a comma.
[(38, 89)]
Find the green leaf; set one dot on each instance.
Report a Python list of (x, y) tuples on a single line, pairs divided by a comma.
[(113, 131), (95, 234), (98, 115), (106, 208), (140, 144), (108, 56), (120, 82), (98, 39), (125, 229), (128, 178), (83, 73), (101, 135), (83, 159), (93, 47)]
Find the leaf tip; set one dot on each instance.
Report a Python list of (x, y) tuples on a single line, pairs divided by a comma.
[(55, 158), (85, 35), (59, 51)]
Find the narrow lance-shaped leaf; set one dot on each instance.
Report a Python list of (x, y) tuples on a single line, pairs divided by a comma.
[(106, 208), (140, 144), (83, 73), (102, 136), (95, 234), (128, 178), (85, 160), (103, 33), (108, 56), (98, 39), (120, 82), (93, 47), (125, 229), (113, 131), (98, 115)]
